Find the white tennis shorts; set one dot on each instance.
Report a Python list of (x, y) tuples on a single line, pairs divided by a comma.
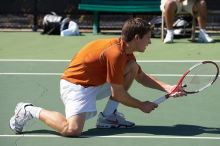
[(185, 6), (78, 99)]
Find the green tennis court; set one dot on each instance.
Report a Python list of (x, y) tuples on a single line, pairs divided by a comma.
[(30, 69)]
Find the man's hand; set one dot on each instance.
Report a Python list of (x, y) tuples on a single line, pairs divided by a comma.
[(147, 106), (180, 92)]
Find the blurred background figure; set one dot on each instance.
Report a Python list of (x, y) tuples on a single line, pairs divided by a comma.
[(69, 28), (197, 8)]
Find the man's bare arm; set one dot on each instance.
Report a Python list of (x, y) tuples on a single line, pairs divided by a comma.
[(121, 95), (152, 82)]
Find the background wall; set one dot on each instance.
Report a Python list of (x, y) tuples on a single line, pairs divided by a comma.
[(29, 14)]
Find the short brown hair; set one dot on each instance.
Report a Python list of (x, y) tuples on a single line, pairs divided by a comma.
[(134, 26)]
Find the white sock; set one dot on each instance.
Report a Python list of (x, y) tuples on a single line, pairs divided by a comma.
[(170, 31), (35, 111), (110, 107), (202, 30)]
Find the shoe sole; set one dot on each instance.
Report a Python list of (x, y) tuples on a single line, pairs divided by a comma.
[(12, 120), (170, 42), (202, 40)]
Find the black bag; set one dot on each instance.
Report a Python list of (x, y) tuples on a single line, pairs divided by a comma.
[(182, 26), (51, 24), (156, 23)]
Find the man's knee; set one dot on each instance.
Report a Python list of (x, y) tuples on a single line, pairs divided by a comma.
[(202, 2), (72, 128), (170, 4), (72, 132), (200, 6)]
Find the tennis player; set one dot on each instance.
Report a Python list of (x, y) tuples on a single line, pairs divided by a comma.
[(102, 68)]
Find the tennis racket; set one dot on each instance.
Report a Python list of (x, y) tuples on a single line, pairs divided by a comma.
[(196, 79)]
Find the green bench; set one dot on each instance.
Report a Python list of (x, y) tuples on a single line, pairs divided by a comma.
[(118, 6)]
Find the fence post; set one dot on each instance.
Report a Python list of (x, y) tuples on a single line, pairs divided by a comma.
[(35, 15)]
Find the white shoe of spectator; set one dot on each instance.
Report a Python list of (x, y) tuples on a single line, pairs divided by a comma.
[(168, 38), (204, 38)]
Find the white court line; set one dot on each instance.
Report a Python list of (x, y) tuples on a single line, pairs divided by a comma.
[(32, 60), (120, 136), (59, 74), (57, 60), (38, 74)]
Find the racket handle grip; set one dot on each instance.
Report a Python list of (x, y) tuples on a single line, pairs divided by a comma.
[(160, 100)]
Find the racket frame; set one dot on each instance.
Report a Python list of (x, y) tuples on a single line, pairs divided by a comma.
[(179, 83)]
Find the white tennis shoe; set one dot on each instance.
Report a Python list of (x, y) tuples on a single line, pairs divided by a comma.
[(204, 38), (114, 120), (169, 38), (20, 118)]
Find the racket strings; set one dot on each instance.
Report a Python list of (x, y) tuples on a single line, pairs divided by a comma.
[(200, 77)]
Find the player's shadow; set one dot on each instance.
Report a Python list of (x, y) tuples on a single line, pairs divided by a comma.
[(42, 131), (176, 130)]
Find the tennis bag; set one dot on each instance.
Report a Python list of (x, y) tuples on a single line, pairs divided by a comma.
[(51, 24), (182, 26)]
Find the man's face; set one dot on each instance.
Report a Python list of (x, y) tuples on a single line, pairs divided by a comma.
[(142, 43)]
